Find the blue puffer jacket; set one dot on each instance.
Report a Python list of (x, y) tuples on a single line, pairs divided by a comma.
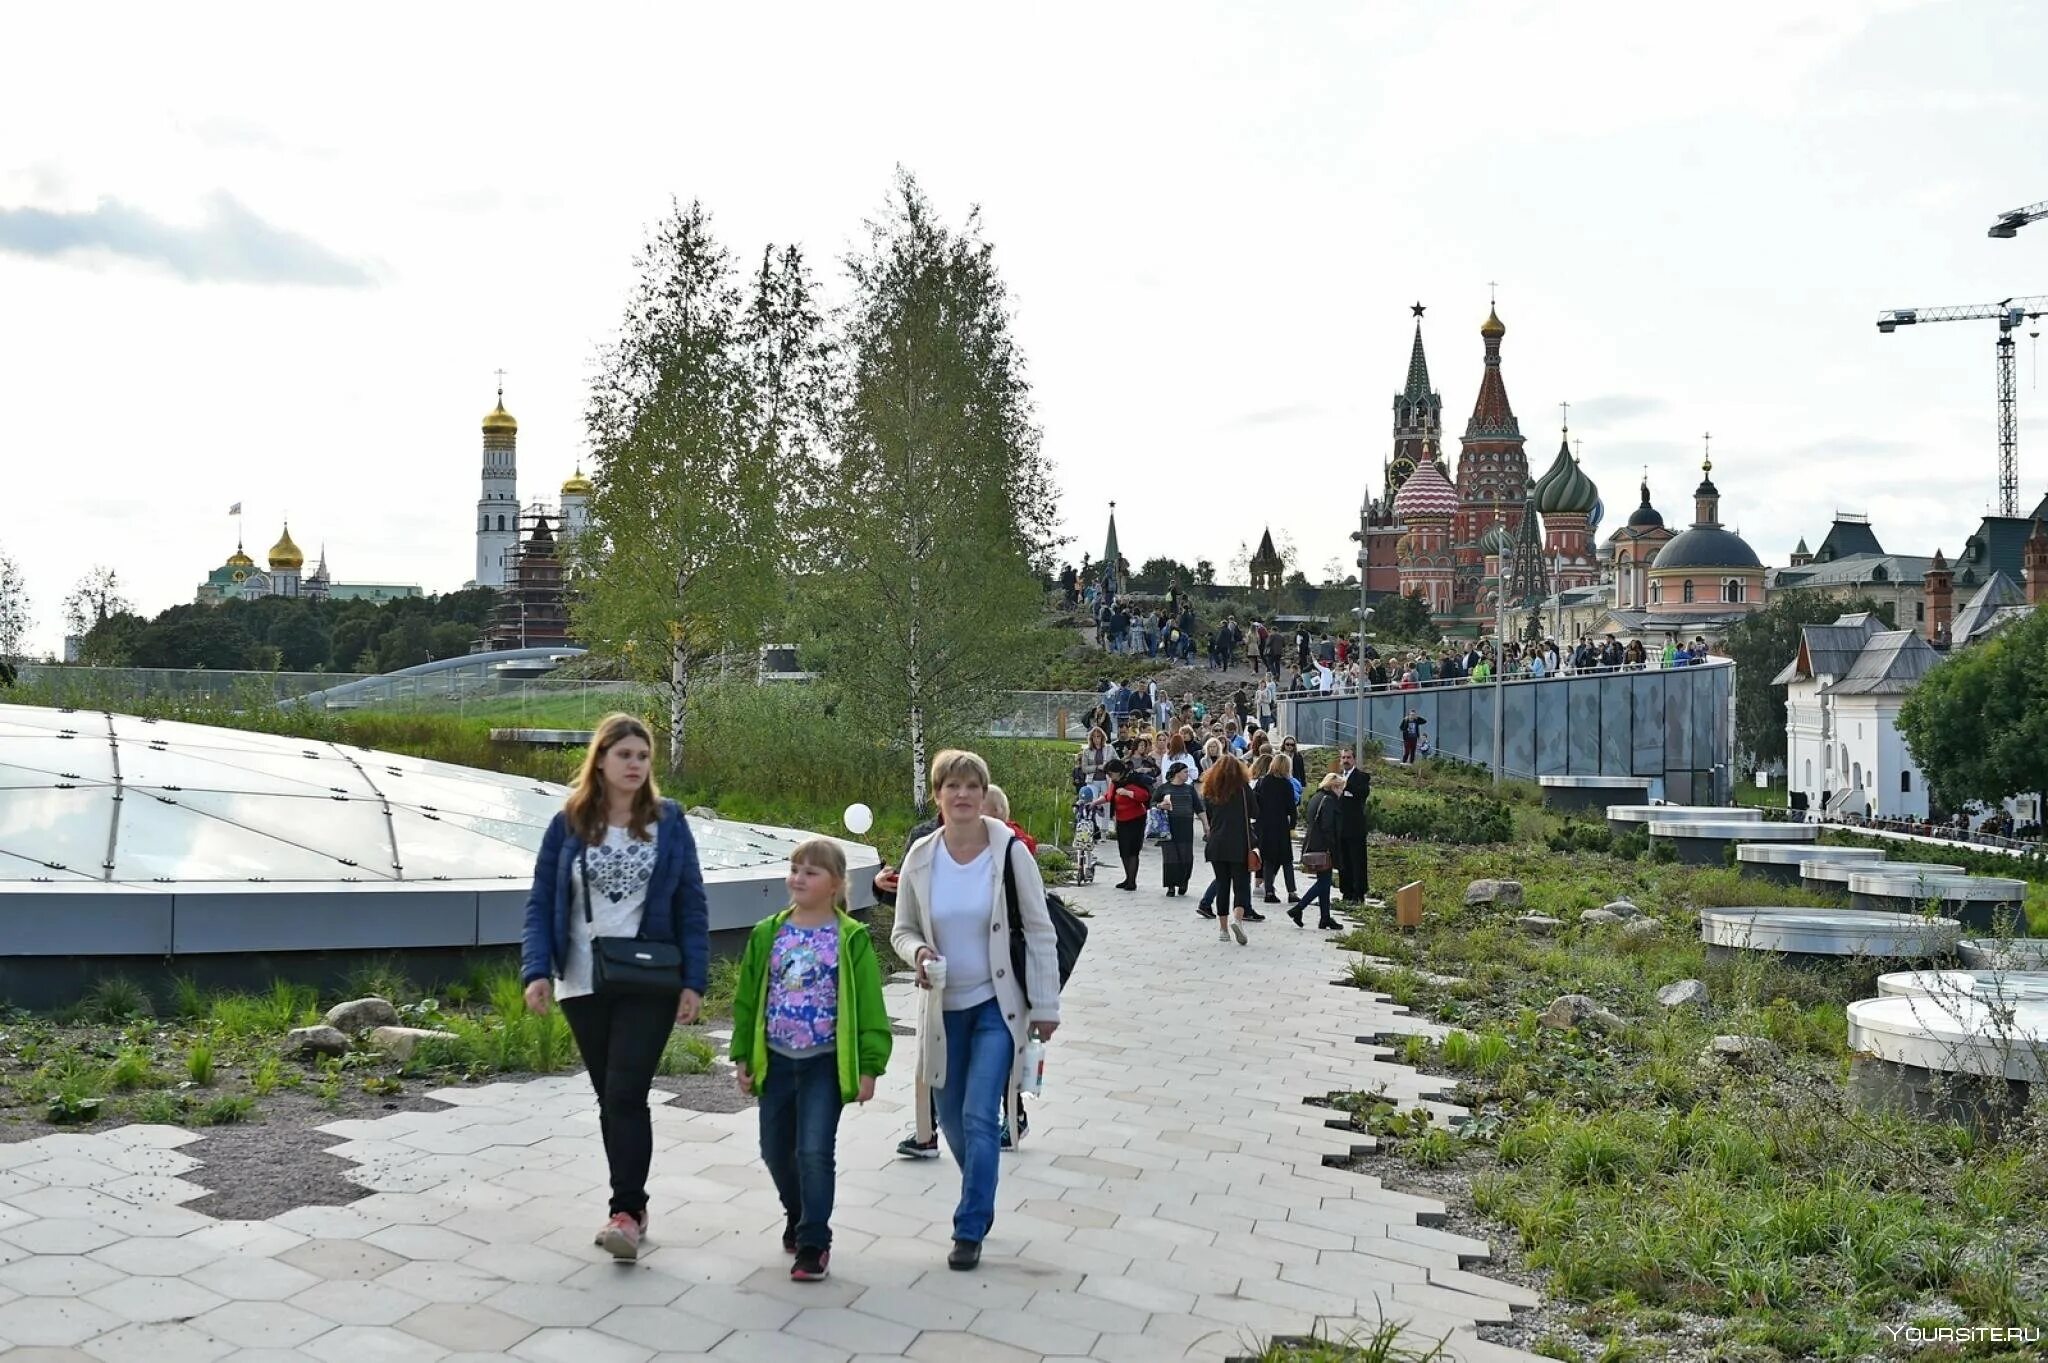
[(677, 910)]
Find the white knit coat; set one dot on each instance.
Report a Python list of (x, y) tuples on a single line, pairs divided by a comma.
[(913, 930)]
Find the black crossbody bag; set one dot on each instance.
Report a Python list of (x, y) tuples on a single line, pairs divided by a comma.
[(629, 965)]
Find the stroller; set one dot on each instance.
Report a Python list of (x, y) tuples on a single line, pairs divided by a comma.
[(1086, 833)]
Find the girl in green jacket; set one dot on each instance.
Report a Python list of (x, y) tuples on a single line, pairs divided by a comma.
[(809, 1035)]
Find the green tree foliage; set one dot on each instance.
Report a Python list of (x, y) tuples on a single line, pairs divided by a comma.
[(1978, 722), (294, 634), (14, 607), (1403, 620), (97, 598), (701, 419), (930, 603), (1158, 574), (1761, 643)]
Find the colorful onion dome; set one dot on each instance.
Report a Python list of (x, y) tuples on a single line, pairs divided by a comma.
[(1426, 493), (1564, 489), (285, 554)]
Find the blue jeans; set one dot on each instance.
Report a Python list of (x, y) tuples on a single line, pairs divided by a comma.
[(979, 1057), (800, 1108), (1318, 894)]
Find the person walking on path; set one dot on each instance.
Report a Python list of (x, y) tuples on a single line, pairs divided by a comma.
[(1273, 815), (1177, 854), (1411, 733), (1297, 764), (1354, 803), (810, 1035), (1322, 825), (618, 861), (1128, 799), (1227, 832), (953, 912)]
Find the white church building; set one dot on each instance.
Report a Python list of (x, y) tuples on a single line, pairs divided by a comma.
[(499, 515), (1843, 750)]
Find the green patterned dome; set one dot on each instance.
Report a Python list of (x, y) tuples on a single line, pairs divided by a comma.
[(1564, 489)]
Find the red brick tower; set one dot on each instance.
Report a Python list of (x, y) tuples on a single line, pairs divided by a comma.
[(1939, 585), (1418, 417), (1493, 467), (2035, 565)]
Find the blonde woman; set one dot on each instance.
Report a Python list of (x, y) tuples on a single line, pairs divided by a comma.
[(952, 910), (618, 861)]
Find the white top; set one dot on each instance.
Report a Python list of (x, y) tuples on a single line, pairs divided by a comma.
[(960, 918), (621, 868)]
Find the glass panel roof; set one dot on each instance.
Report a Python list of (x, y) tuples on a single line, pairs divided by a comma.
[(188, 803)]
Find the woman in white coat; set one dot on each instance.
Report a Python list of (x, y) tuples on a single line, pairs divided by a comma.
[(951, 908)]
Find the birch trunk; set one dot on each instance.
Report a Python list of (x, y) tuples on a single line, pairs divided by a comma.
[(917, 767), (678, 693)]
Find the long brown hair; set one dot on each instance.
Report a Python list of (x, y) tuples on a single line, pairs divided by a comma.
[(585, 806), (1224, 781)]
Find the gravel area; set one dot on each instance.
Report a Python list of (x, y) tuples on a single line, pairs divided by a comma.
[(279, 1161)]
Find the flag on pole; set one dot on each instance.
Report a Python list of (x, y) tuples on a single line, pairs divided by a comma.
[(235, 510)]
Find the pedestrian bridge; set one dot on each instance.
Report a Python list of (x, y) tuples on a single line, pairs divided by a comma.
[(1672, 725)]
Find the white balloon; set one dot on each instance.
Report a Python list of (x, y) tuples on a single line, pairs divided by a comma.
[(859, 818)]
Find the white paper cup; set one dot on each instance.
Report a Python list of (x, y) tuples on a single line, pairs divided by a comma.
[(935, 972)]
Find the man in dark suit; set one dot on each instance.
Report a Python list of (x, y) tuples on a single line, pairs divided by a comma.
[(1351, 828)]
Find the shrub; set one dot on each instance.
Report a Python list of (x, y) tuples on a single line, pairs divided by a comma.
[(199, 1064), (115, 998), (161, 1108), (686, 1053), (227, 1109), (244, 1017), (1577, 836), (188, 1000), (1054, 866), (130, 1070)]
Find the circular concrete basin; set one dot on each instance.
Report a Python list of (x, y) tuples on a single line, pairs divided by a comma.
[(1779, 862), (1829, 932), (1831, 874), (2003, 1040), (1975, 901)]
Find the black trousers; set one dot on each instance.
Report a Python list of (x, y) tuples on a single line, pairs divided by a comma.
[(1350, 859), (1276, 857), (1232, 875), (620, 1037)]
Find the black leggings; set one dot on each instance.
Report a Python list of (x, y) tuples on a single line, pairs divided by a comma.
[(1231, 874), (621, 1037), (1276, 857)]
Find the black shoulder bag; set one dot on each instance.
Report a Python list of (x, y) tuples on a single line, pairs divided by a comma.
[(1070, 934), (629, 965)]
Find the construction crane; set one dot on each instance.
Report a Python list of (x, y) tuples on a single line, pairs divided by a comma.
[(2009, 224), (2008, 313)]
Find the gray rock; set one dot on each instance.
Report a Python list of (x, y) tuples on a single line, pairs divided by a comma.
[(1507, 894), (1593, 918), (1683, 993), (316, 1041), (400, 1042), (1539, 925), (1621, 908), (1567, 1011), (360, 1015), (1642, 927), (704, 812), (1746, 1051)]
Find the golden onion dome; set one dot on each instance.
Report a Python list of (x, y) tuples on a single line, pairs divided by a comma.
[(285, 554), (578, 486), (498, 421), (238, 559), (1493, 328)]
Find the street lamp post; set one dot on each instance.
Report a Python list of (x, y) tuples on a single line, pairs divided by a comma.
[(1500, 632)]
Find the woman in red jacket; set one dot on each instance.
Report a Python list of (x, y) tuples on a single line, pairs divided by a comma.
[(1128, 800)]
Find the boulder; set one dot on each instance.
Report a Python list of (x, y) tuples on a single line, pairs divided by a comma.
[(400, 1042), (1621, 908), (1539, 925), (1642, 927), (1578, 1010), (1593, 918), (1749, 1052), (1683, 993), (704, 812), (360, 1015), (316, 1041), (1507, 894)]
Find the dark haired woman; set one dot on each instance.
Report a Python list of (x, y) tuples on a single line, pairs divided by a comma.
[(1227, 833), (618, 861), (1129, 799)]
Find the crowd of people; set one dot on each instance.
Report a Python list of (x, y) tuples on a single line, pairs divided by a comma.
[(1328, 667)]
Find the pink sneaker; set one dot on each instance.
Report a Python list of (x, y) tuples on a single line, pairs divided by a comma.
[(621, 1236)]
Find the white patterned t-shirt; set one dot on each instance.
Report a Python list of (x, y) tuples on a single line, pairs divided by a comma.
[(621, 868)]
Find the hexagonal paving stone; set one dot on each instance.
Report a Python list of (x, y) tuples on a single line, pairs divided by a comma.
[(54, 1320), (156, 1343), (155, 1299), (578, 1346), (242, 1278), (433, 1280), (157, 1254), (523, 1263), (352, 1301), (372, 1344), (423, 1242), (551, 1305), (760, 1346), (467, 1325), (854, 1331), (56, 1275), (60, 1235), (261, 1323), (341, 1259), (663, 1328)]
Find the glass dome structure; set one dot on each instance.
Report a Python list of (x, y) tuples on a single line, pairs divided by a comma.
[(88, 797)]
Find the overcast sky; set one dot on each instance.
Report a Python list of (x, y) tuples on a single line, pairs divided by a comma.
[(273, 255)]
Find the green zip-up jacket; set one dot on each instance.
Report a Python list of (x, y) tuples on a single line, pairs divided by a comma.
[(861, 1030)]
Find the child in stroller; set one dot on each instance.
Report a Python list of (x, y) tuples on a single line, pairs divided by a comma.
[(1086, 832)]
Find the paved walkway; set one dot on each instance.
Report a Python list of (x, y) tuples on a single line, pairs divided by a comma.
[(1172, 1202)]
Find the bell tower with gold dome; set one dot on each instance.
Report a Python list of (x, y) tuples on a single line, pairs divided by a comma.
[(497, 506)]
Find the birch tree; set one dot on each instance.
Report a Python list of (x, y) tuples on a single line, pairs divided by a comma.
[(932, 603), (14, 607), (678, 566)]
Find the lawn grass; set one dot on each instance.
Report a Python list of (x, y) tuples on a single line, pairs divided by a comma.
[(1648, 1185)]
